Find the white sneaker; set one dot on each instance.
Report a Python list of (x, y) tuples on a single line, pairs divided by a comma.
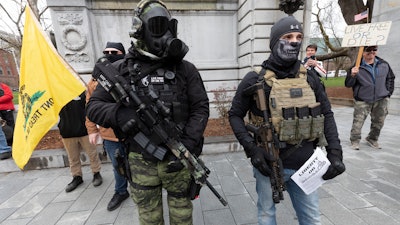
[(355, 145)]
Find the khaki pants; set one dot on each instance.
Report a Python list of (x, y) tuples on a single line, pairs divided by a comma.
[(73, 147)]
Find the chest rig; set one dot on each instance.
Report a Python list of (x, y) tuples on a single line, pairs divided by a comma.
[(162, 83), (295, 113)]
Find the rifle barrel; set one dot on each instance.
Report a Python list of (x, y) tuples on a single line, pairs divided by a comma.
[(222, 200)]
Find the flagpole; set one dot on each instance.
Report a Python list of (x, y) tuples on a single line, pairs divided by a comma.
[(361, 48)]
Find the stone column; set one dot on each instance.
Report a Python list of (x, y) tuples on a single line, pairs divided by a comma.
[(386, 10)]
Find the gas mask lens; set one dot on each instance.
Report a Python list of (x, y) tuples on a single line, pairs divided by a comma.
[(159, 25)]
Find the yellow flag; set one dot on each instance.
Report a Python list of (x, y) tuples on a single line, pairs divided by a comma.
[(47, 83)]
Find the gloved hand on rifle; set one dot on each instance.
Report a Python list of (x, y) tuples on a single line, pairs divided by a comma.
[(174, 164), (260, 159), (337, 166), (127, 120)]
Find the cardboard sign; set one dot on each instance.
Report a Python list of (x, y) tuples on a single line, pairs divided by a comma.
[(366, 34)]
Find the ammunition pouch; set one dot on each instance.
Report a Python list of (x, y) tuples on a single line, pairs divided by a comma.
[(307, 124)]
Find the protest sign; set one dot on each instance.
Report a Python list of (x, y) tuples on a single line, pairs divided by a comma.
[(366, 34)]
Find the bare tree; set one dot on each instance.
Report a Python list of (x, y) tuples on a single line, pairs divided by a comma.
[(325, 23), (13, 21)]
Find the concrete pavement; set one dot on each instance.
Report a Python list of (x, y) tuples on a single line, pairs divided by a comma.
[(368, 193)]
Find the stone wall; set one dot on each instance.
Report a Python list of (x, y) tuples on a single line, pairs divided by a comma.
[(386, 10), (226, 38)]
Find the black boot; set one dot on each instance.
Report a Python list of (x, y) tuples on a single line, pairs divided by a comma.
[(116, 201), (5, 155), (97, 179), (74, 184)]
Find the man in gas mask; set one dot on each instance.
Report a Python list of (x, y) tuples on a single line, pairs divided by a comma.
[(155, 71), (309, 94)]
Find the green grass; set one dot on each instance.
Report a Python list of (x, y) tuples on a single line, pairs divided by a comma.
[(334, 81), (15, 99)]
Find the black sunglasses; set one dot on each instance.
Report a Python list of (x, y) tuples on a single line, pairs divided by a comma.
[(371, 50), (113, 52)]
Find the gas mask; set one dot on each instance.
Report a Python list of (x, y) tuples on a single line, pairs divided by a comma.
[(158, 31), (286, 52)]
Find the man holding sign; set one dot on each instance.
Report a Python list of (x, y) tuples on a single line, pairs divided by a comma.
[(373, 84)]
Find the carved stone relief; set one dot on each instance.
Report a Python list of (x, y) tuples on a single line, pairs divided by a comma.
[(73, 38)]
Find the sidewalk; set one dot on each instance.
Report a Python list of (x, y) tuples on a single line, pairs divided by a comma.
[(368, 193)]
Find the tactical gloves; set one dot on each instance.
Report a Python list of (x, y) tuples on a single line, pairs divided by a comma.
[(260, 159), (127, 120), (337, 166), (174, 164)]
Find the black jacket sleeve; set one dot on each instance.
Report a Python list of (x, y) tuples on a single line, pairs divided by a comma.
[(198, 102), (241, 104)]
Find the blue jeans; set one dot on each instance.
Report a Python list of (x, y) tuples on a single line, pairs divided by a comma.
[(3, 143), (306, 206), (121, 184)]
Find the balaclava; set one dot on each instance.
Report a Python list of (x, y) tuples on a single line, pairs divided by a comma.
[(160, 33), (111, 57), (283, 52)]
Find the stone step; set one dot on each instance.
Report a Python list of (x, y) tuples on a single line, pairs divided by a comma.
[(57, 158)]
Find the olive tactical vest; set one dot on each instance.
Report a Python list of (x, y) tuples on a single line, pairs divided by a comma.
[(295, 113)]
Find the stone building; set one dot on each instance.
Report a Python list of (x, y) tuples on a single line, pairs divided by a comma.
[(226, 38), (8, 69), (386, 10)]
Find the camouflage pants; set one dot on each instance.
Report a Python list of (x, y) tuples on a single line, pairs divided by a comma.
[(149, 200), (377, 110)]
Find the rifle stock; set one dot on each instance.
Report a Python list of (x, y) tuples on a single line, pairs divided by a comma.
[(265, 137)]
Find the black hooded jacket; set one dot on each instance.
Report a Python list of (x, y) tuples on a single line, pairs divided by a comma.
[(241, 104), (72, 118), (103, 109)]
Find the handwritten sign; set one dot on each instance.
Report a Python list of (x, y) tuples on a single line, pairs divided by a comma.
[(309, 176), (366, 34)]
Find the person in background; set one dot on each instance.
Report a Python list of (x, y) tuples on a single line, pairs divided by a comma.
[(286, 38), (75, 137), (114, 51), (7, 111), (310, 62), (5, 150), (373, 84)]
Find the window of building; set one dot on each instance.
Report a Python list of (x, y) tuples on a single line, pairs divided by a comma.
[(1, 71), (8, 71)]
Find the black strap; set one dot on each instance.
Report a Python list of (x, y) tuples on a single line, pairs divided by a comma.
[(142, 187)]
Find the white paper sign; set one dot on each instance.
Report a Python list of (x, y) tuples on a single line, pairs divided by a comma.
[(309, 176), (366, 34)]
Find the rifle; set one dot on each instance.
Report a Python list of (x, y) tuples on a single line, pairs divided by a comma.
[(266, 137), (162, 126)]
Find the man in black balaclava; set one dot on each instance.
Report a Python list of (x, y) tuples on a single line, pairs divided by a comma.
[(285, 43), (114, 51), (155, 71), (283, 59)]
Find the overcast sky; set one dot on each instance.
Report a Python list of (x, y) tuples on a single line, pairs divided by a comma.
[(13, 9)]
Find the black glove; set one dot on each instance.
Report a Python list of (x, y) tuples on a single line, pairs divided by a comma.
[(127, 120), (336, 168), (261, 159), (174, 164)]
